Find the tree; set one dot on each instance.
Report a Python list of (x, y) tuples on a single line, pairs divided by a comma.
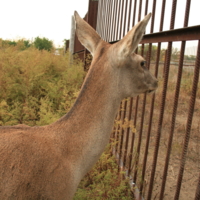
[(43, 43)]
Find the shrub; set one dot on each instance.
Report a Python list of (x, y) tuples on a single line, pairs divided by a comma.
[(43, 44), (104, 182), (37, 87)]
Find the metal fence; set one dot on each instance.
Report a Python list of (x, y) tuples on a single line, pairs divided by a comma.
[(158, 136)]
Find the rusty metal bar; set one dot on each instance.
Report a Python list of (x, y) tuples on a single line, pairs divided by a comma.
[(108, 20), (146, 7), (128, 130), (153, 98), (173, 119), (106, 26), (118, 17), (182, 34), (129, 15), (197, 195), (157, 143), (133, 137), (125, 17), (139, 139), (101, 18), (150, 120), (134, 12), (121, 20), (104, 16), (116, 20), (162, 15), (142, 118), (176, 98), (189, 122), (153, 16), (118, 128), (187, 13), (139, 11), (112, 20), (122, 129)]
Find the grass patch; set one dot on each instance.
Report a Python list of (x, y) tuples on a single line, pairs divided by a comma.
[(104, 181)]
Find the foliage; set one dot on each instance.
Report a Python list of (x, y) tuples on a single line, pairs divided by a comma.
[(104, 182), (37, 87), (43, 44), (145, 50), (20, 44)]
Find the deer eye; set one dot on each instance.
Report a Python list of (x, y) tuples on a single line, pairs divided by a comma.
[(143, 63)]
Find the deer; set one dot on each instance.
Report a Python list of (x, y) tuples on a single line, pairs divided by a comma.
[(48, 162)]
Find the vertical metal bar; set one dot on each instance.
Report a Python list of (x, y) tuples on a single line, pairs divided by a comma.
[(187, 13), (162, 15), (146, 6), (173, 14), (140, 10), (121, 20), (197, 195), (173, 120), (104, 18), (141, 131), (153, 16), (125, 16), (118, 129), (189, 122), (176, 98), (139, 139), (116, 20), (150, 120), (98, 13), (128, 131), (143, 113), (134, 13), (101, 17), (113, 21), (133, 137), (157, 142), (167, 66), (129, 15), (153, 98), (122, 129), (108, 20), (118, 17)]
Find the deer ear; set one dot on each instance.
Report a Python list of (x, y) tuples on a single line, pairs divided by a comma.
[(86, 34), (131, 40)]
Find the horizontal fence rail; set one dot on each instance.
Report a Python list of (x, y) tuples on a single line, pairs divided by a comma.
[(157, 137)]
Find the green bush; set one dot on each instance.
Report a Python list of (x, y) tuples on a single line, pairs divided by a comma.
[(43, 44)]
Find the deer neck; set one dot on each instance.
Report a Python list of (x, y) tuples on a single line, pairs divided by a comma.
[(85, 130)]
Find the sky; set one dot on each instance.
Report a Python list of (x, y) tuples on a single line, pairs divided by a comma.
[(27, 19), (44, 18)]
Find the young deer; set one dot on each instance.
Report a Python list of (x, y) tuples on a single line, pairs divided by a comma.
[(48, 162)]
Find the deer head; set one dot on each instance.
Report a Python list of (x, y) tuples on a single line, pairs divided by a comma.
[(128, 69)]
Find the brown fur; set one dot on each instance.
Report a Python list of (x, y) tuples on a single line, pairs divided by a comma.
[(48, 162)]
